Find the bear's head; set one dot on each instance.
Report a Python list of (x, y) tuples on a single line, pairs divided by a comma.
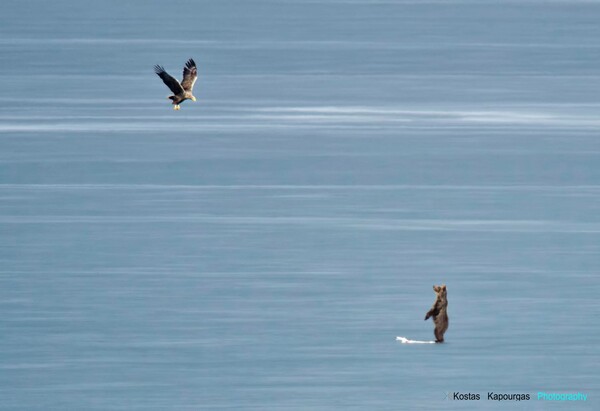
[(440, 290)]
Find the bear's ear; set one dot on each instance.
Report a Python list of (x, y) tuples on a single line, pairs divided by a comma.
[(444, 287), (436, 288)]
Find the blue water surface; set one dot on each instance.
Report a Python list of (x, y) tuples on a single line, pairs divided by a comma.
[(261, 248)]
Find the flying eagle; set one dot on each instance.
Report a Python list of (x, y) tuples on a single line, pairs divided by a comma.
[(181, 91)]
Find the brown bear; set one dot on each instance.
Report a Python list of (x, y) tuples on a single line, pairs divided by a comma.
[(439, 313)]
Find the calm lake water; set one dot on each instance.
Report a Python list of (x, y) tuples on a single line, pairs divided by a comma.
[(262, 248)]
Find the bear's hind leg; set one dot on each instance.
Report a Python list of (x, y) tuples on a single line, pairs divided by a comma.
[(439, 336)]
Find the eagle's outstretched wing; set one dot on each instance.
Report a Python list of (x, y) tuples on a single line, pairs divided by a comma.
[(168, 80), (190, 73)]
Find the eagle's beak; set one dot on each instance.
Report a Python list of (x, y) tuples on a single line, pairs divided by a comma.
[(193, 98)]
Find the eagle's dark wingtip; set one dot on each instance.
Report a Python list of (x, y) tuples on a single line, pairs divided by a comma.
[(158, 69), (190, 63)]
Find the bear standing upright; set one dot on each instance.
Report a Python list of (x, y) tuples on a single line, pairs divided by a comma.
[(439, 313)]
